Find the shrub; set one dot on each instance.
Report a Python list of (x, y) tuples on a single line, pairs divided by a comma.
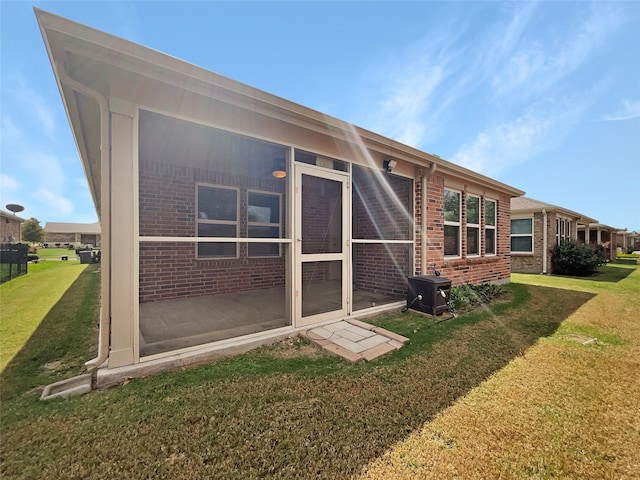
[(466, 296), (628, 255), (573, 258), (32, 257)]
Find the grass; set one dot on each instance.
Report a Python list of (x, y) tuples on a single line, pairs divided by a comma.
[(56, 253), (567, 408), (498, 392), (26, 300)]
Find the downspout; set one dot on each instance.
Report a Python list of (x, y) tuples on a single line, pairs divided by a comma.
[(105, 225), (423, 214), (544, 241)]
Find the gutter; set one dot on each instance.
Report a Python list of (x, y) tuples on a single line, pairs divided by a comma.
[(544, 241), (423, 214), (105, 178)]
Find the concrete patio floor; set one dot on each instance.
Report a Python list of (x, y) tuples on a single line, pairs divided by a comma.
[(355, 340)]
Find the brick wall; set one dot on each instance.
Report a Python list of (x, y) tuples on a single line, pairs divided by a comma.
[(9, 229), (381, 209), (482, 269), (171, 270), (382, 268), (168, 208), (61, 238)]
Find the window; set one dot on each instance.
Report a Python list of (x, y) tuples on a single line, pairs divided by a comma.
[(263, 221), (217, 217), (522, 235), (563, 230), (451, 223), (473, 225), (489, 227)]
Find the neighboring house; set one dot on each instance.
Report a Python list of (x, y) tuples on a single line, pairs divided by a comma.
[(627, 242), (536, 228), (230, 216), (599, 234), (59, 234), (10, 227)]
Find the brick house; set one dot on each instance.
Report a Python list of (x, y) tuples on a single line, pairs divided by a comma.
[(627, 241), (74, 234), (536, 228), (10, 227), (230, 216)]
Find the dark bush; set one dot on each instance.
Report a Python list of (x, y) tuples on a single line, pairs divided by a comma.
[(573, 258), (32, 257)]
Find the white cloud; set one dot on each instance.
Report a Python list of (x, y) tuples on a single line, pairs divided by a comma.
[(536, 131), (404, 109), (499, 147), (420, 82), (535, 62), (629, 109), (45, 169), (33, 106), (8, 130), (57, 204), (7, 182)]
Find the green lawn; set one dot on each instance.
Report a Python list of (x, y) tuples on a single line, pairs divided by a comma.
[(293, 411), (56, 253), (26, 300)]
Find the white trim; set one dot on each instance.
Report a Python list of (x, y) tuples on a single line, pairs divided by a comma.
[(343, 256), (452, 224), (136, 234), (360, 240), (151, 239), (475, 226), (208, 221), (532, 235), (260, 224), (493, 227)]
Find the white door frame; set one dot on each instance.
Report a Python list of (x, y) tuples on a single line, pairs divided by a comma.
[(300, 258)]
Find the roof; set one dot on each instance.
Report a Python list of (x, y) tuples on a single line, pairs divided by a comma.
[(602, 226), (530, 205), (86, 57), (11, 215), (60, 227)]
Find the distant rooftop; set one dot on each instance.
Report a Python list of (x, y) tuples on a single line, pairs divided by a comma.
[(60, 227), (525, 204)]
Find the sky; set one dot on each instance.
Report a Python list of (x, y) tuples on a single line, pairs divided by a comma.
[(542, 96)]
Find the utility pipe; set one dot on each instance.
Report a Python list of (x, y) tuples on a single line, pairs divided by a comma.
[(105, 210), (544, 241), (423, 214)]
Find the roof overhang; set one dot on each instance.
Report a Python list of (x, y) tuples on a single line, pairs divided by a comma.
[(93, 58), (599, 226)]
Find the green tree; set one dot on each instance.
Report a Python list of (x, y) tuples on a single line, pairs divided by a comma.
[(32, 231)]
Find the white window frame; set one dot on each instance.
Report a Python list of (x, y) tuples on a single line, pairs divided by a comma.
[(452, 223), (261, 224), (475, 226), (519, 235), (563, 230), (206, 221), (490, 227)]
